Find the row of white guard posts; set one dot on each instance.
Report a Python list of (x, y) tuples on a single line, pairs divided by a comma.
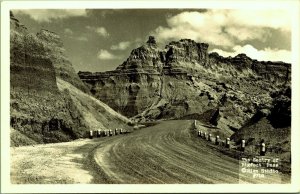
[(227, 142), (104, 133)]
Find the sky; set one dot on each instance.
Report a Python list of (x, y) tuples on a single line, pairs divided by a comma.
[(101, 39)]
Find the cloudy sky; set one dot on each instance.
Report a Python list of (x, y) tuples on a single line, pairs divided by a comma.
[(100, 40)]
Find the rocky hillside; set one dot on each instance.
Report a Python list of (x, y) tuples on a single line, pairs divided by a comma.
[(54, 49), (271, 125), (42, 112), (183, 80), (274, 121)]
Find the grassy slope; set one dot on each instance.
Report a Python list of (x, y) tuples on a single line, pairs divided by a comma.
[(96, 114)]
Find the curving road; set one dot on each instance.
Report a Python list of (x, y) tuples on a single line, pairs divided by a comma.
[(166, 153)]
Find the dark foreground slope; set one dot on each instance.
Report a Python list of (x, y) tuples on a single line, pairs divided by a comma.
[(41, 112), (273, 126)]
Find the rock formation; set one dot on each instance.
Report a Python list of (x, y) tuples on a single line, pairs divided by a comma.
[(38, 109), (28, 59), (54, 49), (184, 79), (42, 112)]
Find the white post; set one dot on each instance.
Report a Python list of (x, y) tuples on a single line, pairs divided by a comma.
[(199, 133), (227, 143), (209, 137), (262, 149), (91, 134), (217, 140), (243, 144)]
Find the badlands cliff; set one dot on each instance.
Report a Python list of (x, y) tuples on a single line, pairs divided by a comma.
[(49, 103), (183, 80)]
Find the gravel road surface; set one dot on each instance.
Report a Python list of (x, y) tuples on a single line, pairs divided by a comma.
[(168, 152)]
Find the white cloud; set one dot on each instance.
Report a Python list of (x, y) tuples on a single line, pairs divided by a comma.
[(105, 55), (68, 31), (120, 46), (90, 28), (244, 33), (46, 15), (261, 18), (266, 54), (81, 38), (224, 27), (101, 31), (70, 34)]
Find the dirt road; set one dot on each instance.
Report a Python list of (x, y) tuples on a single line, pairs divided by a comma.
[(165, 153)]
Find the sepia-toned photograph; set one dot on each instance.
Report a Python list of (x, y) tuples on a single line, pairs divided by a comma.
[(136, 96)]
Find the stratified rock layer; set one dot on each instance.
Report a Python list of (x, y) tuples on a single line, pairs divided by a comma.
[(38, 109), (48, 103), (55, 50), (184, 79), (28, 59)]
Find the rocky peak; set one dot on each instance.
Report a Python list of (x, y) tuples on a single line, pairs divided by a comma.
[(178, 54), (270, 70), (242, 56), (56, 52), (45, 49), (147, 57), (241, 61), (151, 41), (186, 50), (15, 25), (50, 37), (27, 54)]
